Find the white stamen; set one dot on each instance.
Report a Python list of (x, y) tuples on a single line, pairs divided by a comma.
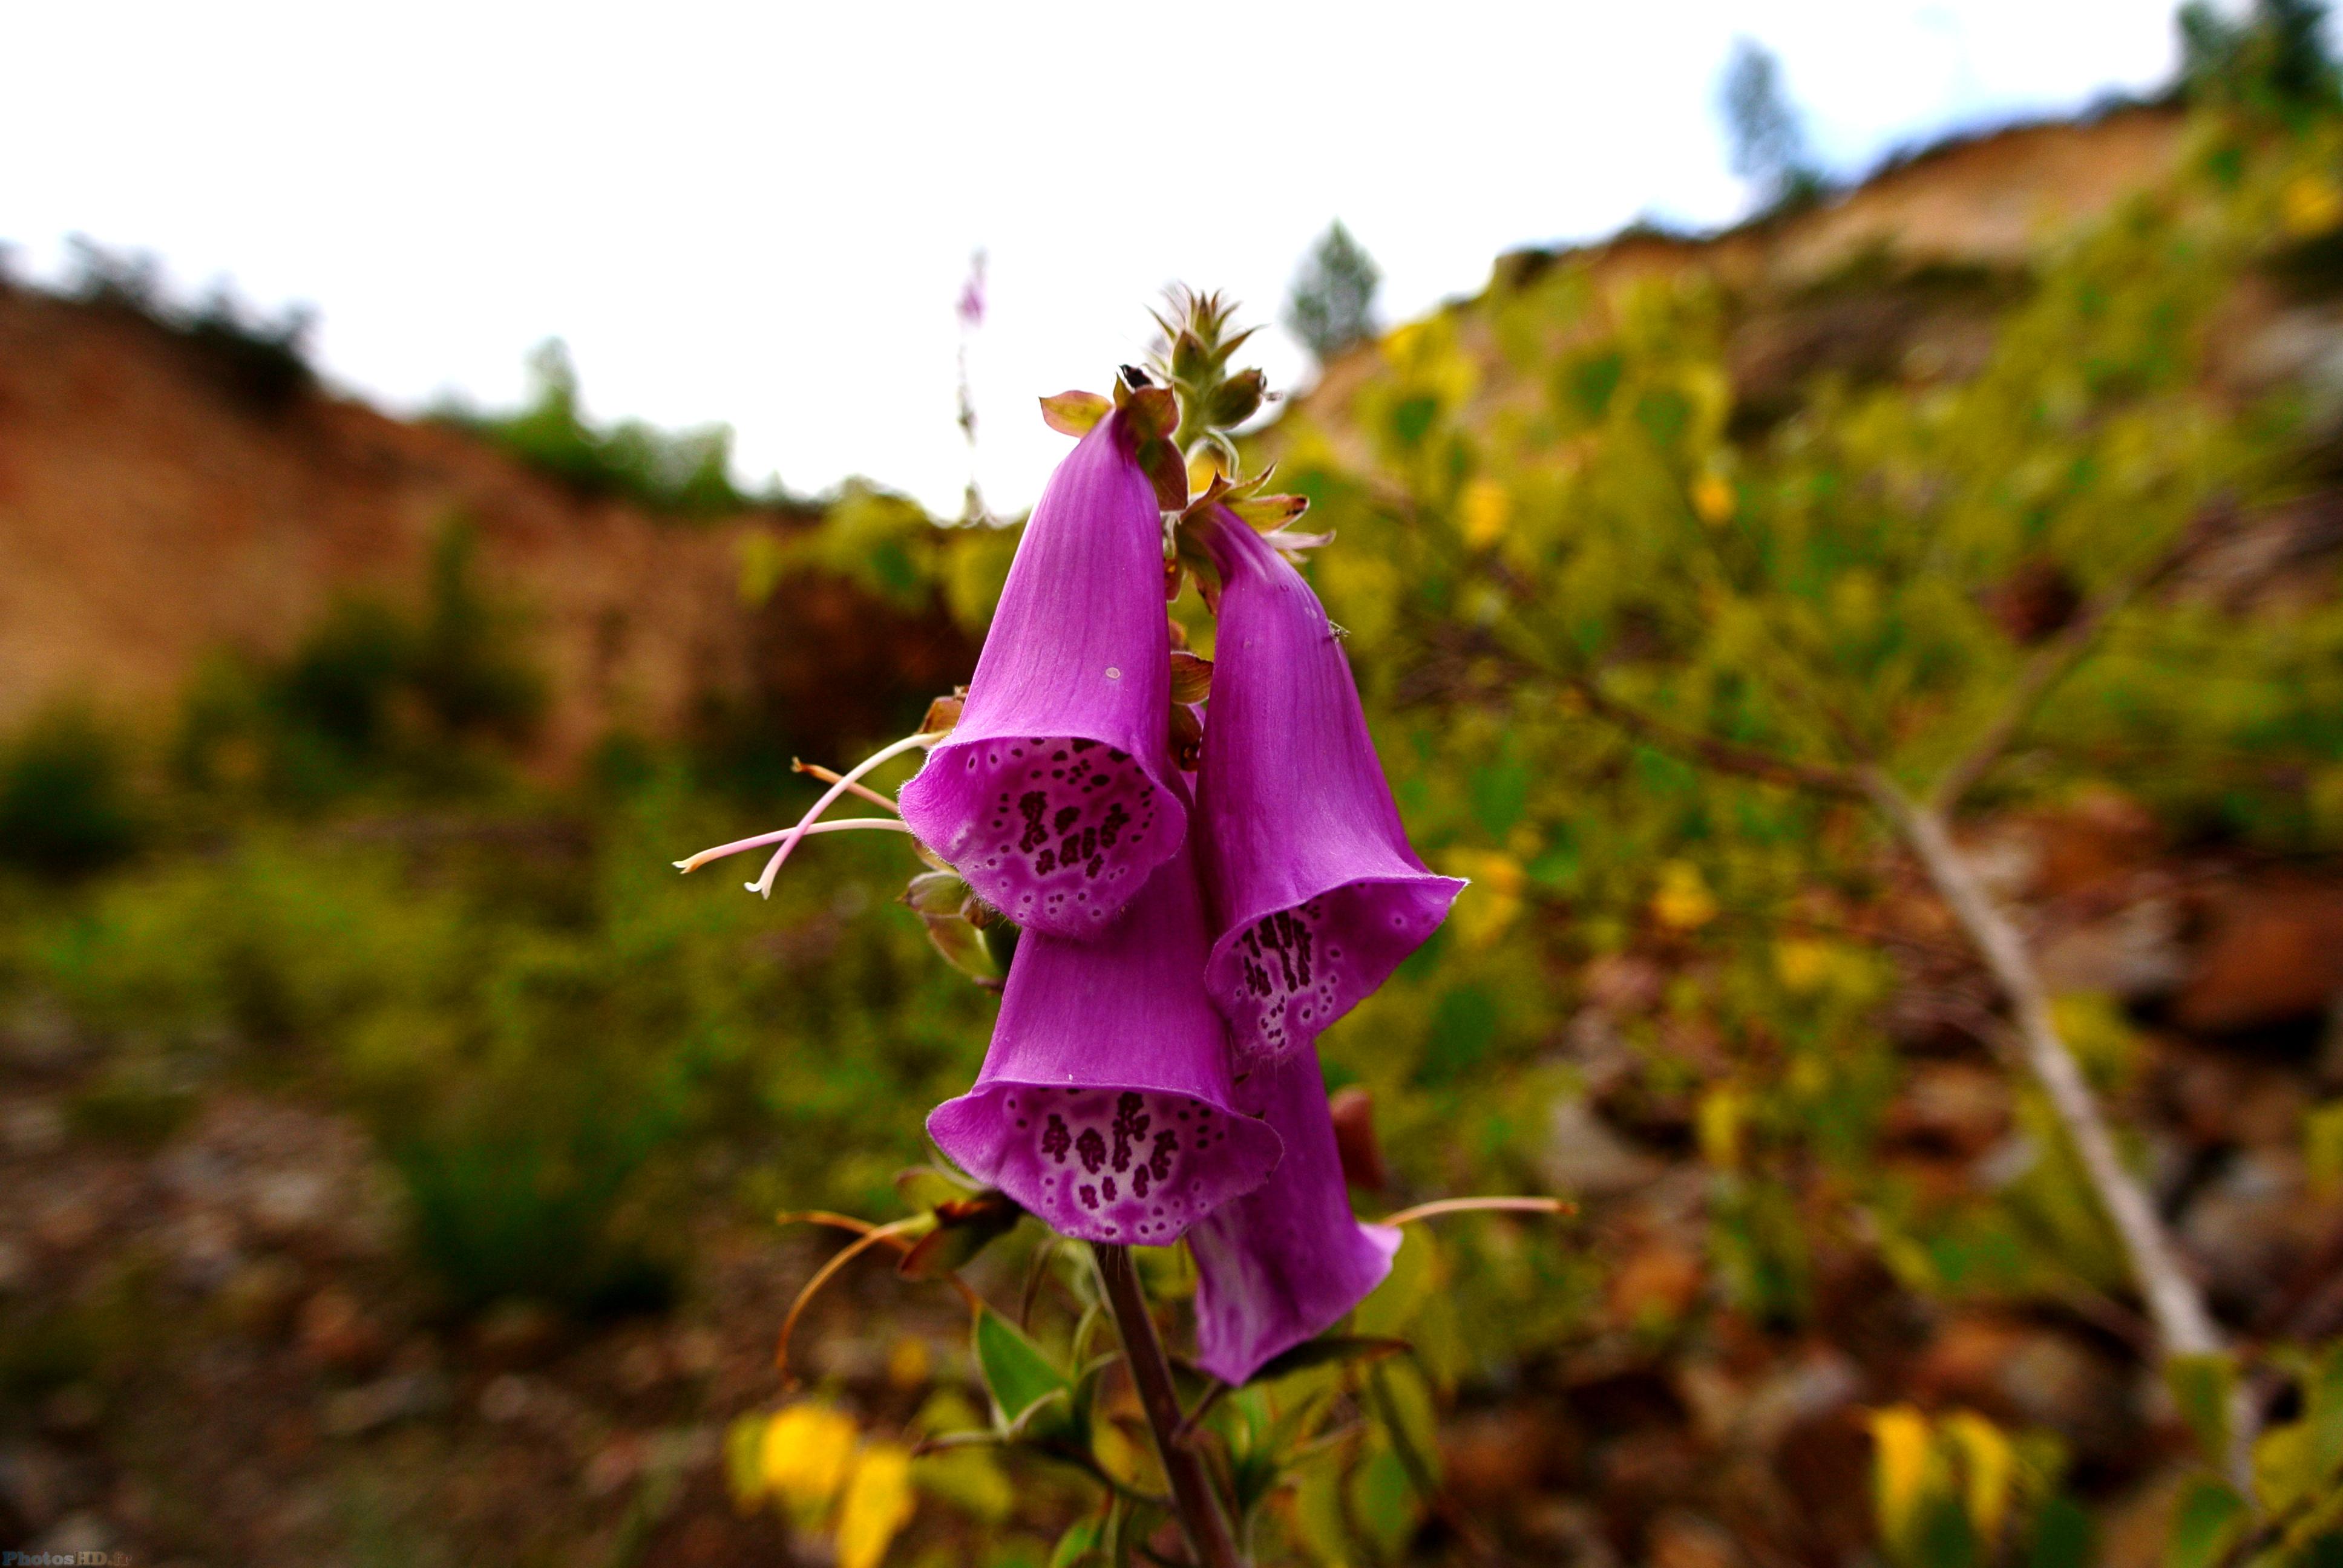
[(1112, 673), (761, 839), (763, 886)]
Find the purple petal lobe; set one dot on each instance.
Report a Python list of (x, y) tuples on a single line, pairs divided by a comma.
[(1284, 1264), (1105, 1104), (1056, 794), (1318, 895)]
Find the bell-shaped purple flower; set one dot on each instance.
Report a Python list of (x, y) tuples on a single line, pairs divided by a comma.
[(1056, 794), (1281, 1265), (1317, 894), (1105, 1105)]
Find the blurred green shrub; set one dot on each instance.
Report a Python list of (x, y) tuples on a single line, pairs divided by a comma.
[(67, 807), (374, 697), (680, 473), (259, 360)]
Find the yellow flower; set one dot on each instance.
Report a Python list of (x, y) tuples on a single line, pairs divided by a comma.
[(1492, 901), (1988, 1460), (1803, 965), (877, 1503), (1712, 499), (1899, 1440), (1487, 507), (1683, 902), (806, 1452), (909, 1361), (2311, 204)]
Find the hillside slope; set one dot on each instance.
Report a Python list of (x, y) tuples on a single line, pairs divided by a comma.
[(151, 514)]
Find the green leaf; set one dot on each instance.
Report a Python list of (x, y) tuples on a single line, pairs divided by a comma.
[(2201, 1386), (2205, 1526), (1327, 1349), (2323, 1412), (2282, 1467), (1074, 413), (1384, 1502), (1084, 1542), (1015, 1371), (2062, 1536)]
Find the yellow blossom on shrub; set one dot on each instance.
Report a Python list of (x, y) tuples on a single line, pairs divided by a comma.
[(1486, 509), (806, 1451), (1712, 499), (1683, 902), (877, 1503)]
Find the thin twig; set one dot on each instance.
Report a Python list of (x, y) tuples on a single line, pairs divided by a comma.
[(2184, 1326), (1198, 1511), (1726, 756), (2049, 666)]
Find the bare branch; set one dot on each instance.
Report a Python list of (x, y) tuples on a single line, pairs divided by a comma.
[(2182, 1323), (1724, 756), (2049, 665)]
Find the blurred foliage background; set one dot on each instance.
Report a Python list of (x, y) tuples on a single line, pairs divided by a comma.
[(363, 1076)]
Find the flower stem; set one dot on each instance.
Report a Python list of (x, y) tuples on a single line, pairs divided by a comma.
[(1200, 1518)]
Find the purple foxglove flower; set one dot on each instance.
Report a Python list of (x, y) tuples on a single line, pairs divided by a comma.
[(1281, 1265), (1056, 794), (1105, 1104), (1318, 895)]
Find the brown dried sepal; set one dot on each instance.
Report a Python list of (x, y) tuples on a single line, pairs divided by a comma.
[(1191, 677), (1160, 461), (944, 713), (1187, 737), (1354, 1112)]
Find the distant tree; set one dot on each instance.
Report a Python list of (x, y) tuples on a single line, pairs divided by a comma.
[(2275, 56), (1768, 142), (1332, 304)]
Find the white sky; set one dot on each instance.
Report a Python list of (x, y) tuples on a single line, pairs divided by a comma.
[(762, 214)]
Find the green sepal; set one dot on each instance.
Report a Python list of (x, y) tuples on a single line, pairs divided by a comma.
[(1267, 512), (1189, 355), (965, 948), (938, 893), (964, 1227), (930, 1187), (1236, 400), (1075, 412)]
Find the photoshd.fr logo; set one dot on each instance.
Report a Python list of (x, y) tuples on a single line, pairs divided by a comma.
[(65, 1560)]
